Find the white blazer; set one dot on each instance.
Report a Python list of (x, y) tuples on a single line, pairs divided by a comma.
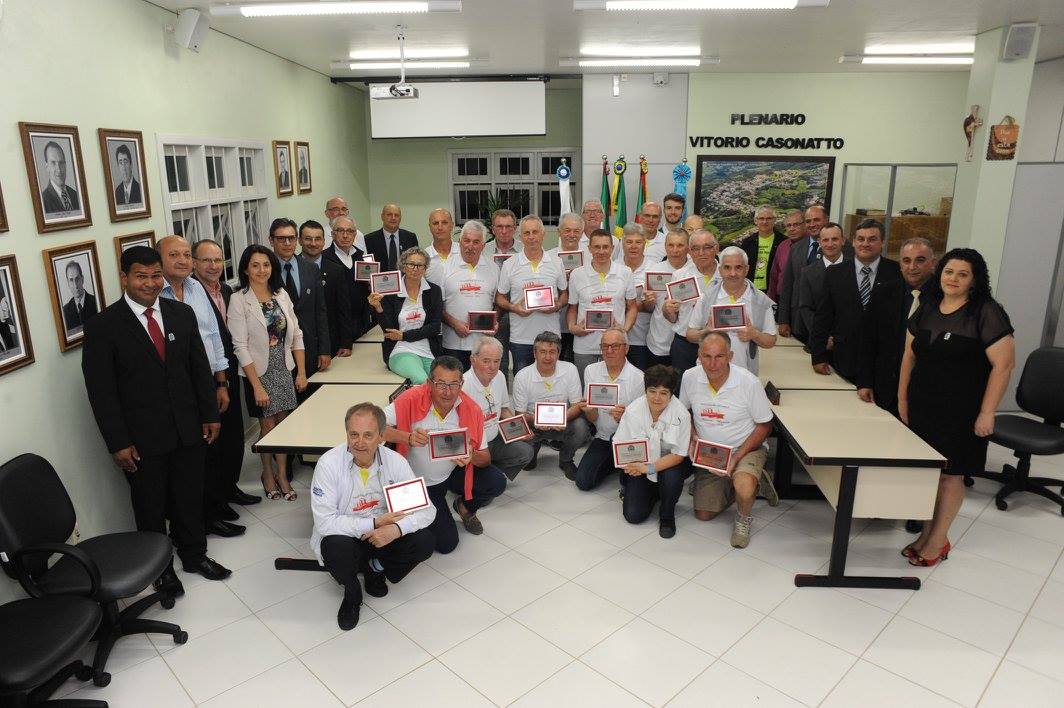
[(251, 340)]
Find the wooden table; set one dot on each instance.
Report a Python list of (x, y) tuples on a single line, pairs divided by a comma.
[(782, 341), (790, 368), (373, 336), (364, 366)]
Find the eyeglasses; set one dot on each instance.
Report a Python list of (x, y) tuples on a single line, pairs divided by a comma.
[(344, 231), (284, 239), (415, 266), (609, 347), (342, 210), (443, 386)]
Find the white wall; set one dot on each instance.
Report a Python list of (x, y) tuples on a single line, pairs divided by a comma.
[(108, 63), (1042, 139)]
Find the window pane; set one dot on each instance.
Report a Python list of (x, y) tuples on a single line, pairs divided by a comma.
[(219, 172), (549, 204), (923, 201), (210, 173), (516, 199), (473, 204), (182, 172), (171, 174)]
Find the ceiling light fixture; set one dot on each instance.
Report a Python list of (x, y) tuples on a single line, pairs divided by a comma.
[(661, 5), (380, 65), (385, 54), (963, 46), (335, 7), (623, 50), (621, 62), (925, 60)]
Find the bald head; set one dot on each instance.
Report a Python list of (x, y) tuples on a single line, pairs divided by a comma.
[(334, 207), (177, 258), (391, 217), (441, 225)]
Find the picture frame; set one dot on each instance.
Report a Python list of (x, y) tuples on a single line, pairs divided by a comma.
[(658, 281), (304, 179), (483, 321), (365, 268), (514, 429), (408, 496), (598, 320), (711, 456), (550, 414), (539, 297), (54, 159), (448, 444), (629, 451), (386, 283), (683, 290), (728, 316), (602, 395), (16, 345), (282, 168), (571, 260), (76, 295), (122, 154), (3, 213), (142, 238)]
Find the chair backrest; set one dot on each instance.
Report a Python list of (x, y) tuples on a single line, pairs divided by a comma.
[(1041, 389), (34, 508)]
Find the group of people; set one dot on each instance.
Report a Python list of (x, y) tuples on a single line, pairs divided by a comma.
[(923, 339)]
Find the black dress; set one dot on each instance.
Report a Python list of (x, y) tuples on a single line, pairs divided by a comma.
[(949, 378)]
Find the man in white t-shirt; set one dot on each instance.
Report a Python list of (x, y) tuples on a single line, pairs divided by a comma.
[(728, 407), (703, 249), (486, 385), (549, 380), (468, 284), (665, 311), (650, 220), (443, 247), (570, 238), (593, 215), (634, 255)]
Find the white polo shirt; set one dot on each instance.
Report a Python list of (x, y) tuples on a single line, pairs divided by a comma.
[(563, 322), (531, 387), (670, 434), (637, 336), (655, 248), (491, 399), (704, 283), (729, 415), (591, 290), (434, 472), (630, 381), (758, 312), (659, 336), (437, 262), (517, 274), (465, 289)]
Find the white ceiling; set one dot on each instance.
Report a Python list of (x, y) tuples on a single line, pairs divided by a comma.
[(530, 36)]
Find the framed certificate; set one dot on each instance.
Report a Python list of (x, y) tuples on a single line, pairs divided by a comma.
[(501, 258), (514, 429), (539, 297), (550, 415), (484, 321), (683, 290), (598, 319), (729, 316), (630, 451), (658, 281), (712, 456), (407, 496), (571, 259), (448, 444), (365, 269), (386, 283), (603, 395), (368, 257)]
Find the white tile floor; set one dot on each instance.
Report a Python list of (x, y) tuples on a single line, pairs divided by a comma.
[(562, 603)]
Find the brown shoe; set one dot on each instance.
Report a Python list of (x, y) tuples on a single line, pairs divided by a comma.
[(470, 521)]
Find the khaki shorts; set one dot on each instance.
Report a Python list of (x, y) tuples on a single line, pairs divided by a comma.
[(714, 493)]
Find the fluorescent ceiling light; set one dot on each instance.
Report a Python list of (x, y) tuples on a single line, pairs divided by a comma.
[(963, 46), (439, 53), (640, 61), (410, 65), (336, 7), (660, 5), (622, 50), (917, 60)]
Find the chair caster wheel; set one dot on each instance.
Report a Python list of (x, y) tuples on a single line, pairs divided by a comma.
[(101, 680), (1001, 504), (167, 602), (84, 673), (181, 637), (968, 481)]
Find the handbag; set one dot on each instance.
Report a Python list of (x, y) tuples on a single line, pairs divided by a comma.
[(1003, 139)]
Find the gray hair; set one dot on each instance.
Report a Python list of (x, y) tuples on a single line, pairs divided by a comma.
[(474, 225), (414, 251), (486, 341), (547, 337), (632, 228), (700, 232), (917, 241), (792, 212), (570, 216), (530, 217), (734, 251), (337, 219), (762, 209), (368, 408), (618, 330), (722, 336), (595, 202)]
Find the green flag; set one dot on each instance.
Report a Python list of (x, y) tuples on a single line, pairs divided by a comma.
[(605, 196)]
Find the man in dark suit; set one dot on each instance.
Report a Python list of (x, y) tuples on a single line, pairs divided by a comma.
[(760, 246), (840, 309), (152, 394), (283, 176), (82, 304), (830, 254), (388, 242), (344, 253), (128, 190), (803, 252), (57, 196), (337, 284)]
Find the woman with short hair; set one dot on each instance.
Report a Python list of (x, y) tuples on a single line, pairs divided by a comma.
[(411, 319)]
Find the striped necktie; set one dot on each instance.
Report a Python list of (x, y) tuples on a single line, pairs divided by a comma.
[(865, 289)]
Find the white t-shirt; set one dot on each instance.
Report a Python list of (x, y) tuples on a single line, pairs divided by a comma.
[(517, 274), (630, 381), (438, 263), (740, 350), (637, 336), (660, 334), (671, 434), (531, 387), (655, 248), (591, 290), (563, 321), (466, 289), (412, 315), (704, 283), (491, 399), (419, 458), (729, 415)]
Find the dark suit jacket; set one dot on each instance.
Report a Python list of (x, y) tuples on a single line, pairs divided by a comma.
[(8, 335), (810, 290), (310, 311), (376, 245), (749, 244), (787, 307), (839, 315), (357, 292), (53, 202), (432, 299), (70, 312), (883, 341), (134, 193), (335, 279), (138, 399)]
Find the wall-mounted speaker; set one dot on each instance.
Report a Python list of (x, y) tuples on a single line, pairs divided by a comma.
[(1019, 40), (190, 30)]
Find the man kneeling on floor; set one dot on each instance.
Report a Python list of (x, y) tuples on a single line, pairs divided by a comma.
[(353, 530)]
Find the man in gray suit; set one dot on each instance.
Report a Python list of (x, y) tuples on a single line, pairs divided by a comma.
[(811, 287)]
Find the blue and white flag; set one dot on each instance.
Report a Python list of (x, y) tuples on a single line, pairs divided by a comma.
[(564, 195)]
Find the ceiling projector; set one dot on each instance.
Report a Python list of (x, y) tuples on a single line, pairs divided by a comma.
[(381, 92)]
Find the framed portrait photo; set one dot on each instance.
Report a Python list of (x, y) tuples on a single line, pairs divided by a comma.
[(144, 238), (16, 349), (448, 444), (303, 177), (76, 288), (3, 213), (123, 171), (56, 173), (282, 167)]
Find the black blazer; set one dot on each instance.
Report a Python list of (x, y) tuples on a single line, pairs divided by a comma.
[(53, 202), (839, 315), (883, 341), (810, 290), (787, 307), (335, 279), (357, 291), (138, 399), (432, 300), (310, 311), (749, 244), (70, 312), (134, 193), (376, 245)]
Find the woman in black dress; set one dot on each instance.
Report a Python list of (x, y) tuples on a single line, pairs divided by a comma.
[(958, 357)]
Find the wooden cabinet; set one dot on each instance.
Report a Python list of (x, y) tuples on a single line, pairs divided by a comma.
[(934, 228)]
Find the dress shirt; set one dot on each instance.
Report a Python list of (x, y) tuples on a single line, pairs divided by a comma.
[(197, 298), (294, 262), (215, 293), (346, 258), (858, 265), (139, 309)]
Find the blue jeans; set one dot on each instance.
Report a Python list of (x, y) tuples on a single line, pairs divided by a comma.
[(595, 465), (523, 355)]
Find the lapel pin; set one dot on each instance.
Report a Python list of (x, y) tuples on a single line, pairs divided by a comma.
[(171, 336), (947, 336)]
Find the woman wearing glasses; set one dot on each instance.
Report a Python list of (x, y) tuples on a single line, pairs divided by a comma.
[(411, 319)]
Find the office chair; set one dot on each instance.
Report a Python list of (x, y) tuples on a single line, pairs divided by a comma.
[(1040, 393), (36, 519)]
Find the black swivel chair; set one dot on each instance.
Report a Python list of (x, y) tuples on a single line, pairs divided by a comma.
[(36, 519), (1041, 392), (40, 639)]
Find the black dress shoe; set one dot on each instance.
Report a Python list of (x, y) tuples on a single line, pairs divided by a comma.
[(239, 496), (225, 529), (208, 568), (375, 584), (169, 583), (226, 513), (347, 616), (667, 528)]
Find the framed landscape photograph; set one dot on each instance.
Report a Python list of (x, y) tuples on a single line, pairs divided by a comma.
[(144, 238), (729, 187), (56, 173), (16, 350), (303, 176), (76, 289), (122, 152), (282, 167)]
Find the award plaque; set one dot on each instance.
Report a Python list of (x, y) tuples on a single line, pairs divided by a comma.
[(598, 319), (729, 316), (448, 444), (571, 259), (365, 269), (407, 496), (658, 281), (630, 451), (603, 395), (550, 415), (386, 283), (683, 290), (514, 429), (539, 297), (483, 321), (712, 456), (368, 257)]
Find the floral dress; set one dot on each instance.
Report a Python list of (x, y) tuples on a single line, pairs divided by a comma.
[(277, 379)]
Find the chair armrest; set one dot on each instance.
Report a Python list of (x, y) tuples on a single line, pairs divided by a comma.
[(83, 558)]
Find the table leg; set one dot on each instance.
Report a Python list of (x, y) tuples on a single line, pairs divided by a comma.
[(783, 474)]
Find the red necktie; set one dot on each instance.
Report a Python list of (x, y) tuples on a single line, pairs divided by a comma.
[(156, 333)]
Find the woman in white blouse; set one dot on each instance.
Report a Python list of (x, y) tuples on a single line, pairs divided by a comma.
[(411, 319), (665, 424)]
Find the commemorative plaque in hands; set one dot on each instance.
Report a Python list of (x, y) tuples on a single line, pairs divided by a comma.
[(448, 444), (483, 321), (407, 496), (630, 451), (386, 283), (711, 456), (571, 259), (550, 414), (539, 297), (683, 290), (514, 429), (729, 316), (365, 269), (603, 395), (598, 319)]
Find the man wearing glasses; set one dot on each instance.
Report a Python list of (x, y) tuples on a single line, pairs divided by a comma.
[(702, 249), (334, 280), (336, 207), (504, 229), (345, 253), (440, 404), (593, 216)]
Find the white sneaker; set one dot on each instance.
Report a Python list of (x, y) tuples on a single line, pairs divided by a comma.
[(740, 535)]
